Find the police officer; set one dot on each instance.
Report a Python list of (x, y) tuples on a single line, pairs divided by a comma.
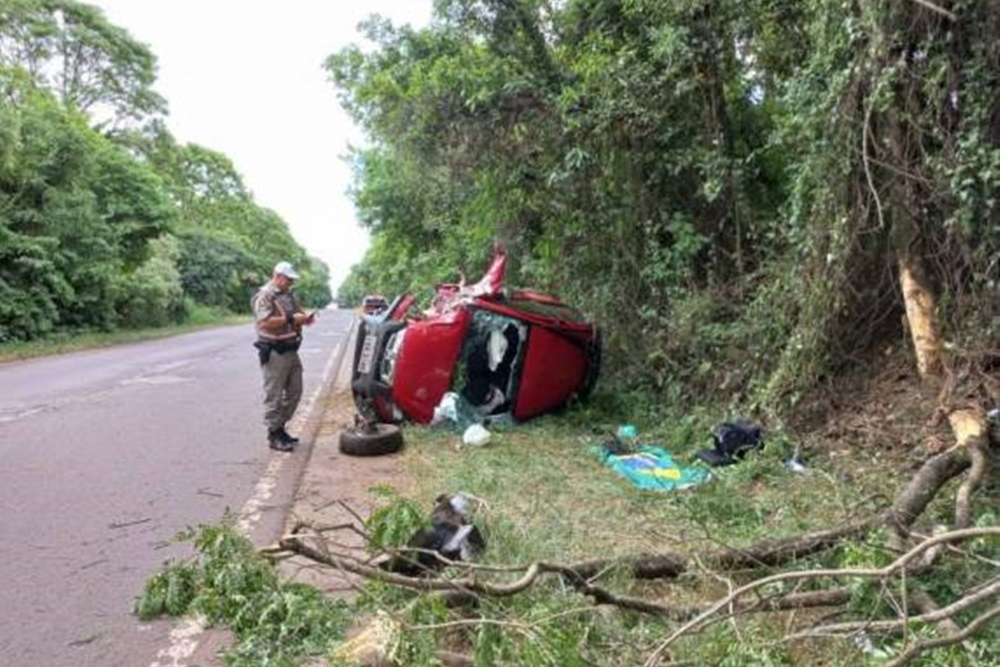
[(279, 319)]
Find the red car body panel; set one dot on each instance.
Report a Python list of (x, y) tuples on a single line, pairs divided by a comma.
[(554, 368), (424, 367), (550, 351)]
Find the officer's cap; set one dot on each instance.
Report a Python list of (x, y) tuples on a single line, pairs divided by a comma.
[(285, 269)]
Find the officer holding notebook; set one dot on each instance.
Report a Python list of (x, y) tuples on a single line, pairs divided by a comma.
[(279, 319)]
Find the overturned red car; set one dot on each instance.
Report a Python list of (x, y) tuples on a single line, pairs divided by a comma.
[(519, 353)]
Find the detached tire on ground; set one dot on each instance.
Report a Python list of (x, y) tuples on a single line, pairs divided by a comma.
[(375, 440)]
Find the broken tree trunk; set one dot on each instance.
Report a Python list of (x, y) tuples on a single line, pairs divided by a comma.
[(970, 428), (919, 302)]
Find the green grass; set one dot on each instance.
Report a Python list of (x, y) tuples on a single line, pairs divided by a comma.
[(546, 497), (542, 478), (75, 342)]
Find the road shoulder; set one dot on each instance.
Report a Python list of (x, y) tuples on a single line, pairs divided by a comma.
[(333, 490)]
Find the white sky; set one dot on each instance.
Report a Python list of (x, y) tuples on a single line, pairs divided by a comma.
[(245, 78)]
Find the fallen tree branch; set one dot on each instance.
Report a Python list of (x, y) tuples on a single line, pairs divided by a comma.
[(951, 16), (603, 596), (922, 601), (666, 565), (467, 589), (964, 553), (969, 428), (916, 649), (781, 551), (898, 624), (765, 553), (830, 597), (705, 618), (295, 544), (908, 506), (921, 489)]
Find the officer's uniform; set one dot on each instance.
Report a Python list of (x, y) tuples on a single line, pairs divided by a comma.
[(279, 355)]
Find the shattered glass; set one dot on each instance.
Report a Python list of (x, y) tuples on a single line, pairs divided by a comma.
[(486, 375)]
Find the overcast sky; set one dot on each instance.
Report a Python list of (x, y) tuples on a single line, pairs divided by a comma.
[(245, 78)]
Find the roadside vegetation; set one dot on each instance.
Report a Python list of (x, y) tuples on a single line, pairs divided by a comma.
[(781, 210), (106, 222), (229, 583)]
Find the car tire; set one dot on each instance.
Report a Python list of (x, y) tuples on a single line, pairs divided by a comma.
[(375, 440)]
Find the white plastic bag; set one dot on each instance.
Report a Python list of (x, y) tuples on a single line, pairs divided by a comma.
[(476, 436), (446, 410)]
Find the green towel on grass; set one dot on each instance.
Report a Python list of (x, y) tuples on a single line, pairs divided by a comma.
[(653, 468)]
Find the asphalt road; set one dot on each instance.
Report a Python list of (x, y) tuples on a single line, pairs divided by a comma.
[(104, 457)]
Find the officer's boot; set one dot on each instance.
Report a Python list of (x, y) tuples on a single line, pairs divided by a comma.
[(287, 437), (276, 442)]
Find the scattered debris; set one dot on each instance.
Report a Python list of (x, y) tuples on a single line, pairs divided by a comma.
[(376, 645), (732, 441), (451, 538), (476, 436), (794, 462)]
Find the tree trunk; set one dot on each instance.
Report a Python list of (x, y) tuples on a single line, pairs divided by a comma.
[(919, 301)]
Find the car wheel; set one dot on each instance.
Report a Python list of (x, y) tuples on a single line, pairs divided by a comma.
[(371, 440)]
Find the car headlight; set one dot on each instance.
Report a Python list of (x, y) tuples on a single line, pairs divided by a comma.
[(392, 348)]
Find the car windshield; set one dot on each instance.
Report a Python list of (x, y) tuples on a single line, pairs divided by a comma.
[(491, 354)]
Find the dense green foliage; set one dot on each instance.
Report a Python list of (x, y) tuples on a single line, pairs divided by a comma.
[(229, 583), (726, 186), (105, 221)]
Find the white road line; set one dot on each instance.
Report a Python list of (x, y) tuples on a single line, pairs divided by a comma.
[(21, 415), (251, 512), (184, 637), (156, 379), (303, 413), (183, 642)]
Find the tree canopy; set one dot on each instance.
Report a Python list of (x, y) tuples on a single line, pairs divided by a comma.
[(72, 49), (105, 220), (729, 188)]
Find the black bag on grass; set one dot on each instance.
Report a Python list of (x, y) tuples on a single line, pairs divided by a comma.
[(732, 441)]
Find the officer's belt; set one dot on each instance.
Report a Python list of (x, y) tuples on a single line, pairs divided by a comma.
[(280, 346), (266, 347)]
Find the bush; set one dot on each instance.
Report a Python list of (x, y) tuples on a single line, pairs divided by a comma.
[(152, 295)]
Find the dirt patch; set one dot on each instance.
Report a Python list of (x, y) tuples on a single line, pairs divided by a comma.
[(878, 412)]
